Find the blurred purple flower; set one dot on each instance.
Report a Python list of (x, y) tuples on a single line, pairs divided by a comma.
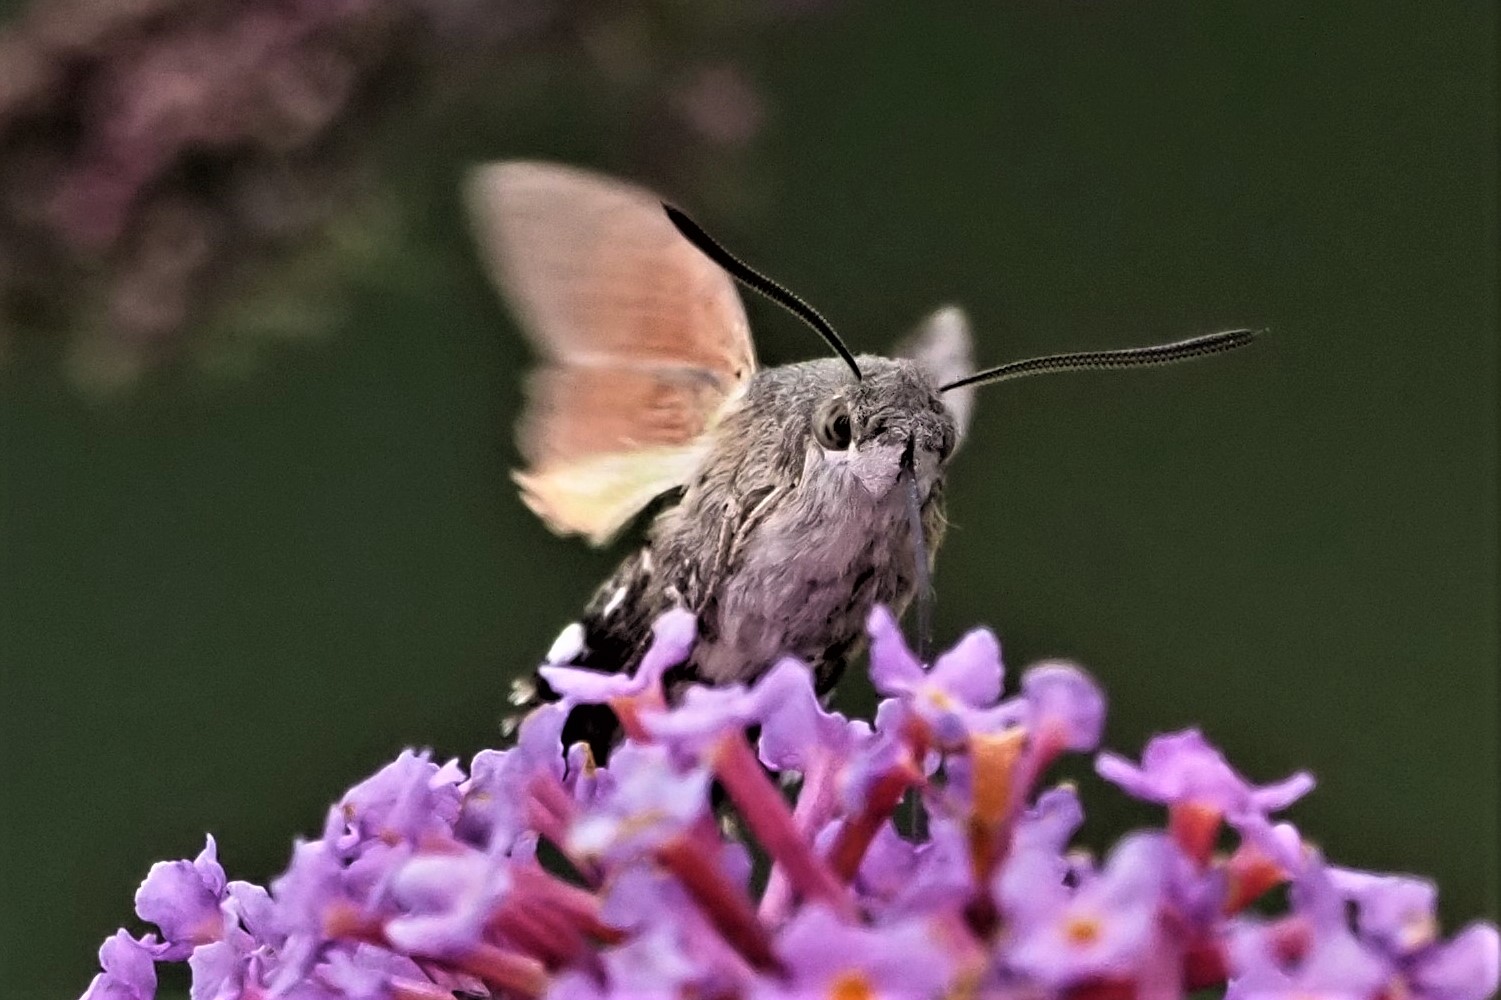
[(655, 960), (129, 970), (702, 717), (797, 732), (948, 697), (218, 971), (1395, 911), (1184, 769), (366, 972), (906, 879), (1065, 708), (214, 168), (824, 956), (425, 883), (1101, 930), (182, 898), (404, 800), (445, 901), (304, 895), (1035, 874), (1397, 916), (651, 802), (1464, 968), (672, 640), (660, 913), (1334, 963), (1332, 970), (490, 811)]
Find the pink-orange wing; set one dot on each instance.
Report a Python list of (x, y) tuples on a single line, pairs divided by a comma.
[(643, 340)]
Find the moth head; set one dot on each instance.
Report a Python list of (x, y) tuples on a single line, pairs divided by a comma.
[(893, 419), (875, 417)]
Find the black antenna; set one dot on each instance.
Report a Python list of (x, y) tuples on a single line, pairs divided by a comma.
[(1130, 357), (753, 279)]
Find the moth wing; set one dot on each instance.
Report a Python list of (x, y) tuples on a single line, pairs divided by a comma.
[(643, 340), (602, 441), (943, 346)]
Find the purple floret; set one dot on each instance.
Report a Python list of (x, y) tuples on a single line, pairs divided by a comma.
[(490, 811), (182, 898), (825, 957), (672, 640), (1065, 706), (1184, 768), (405, 799), (129, 969), (1463, 968), (797, 732), (651, 802), (445, 901), (951, 696), (1102, 930)]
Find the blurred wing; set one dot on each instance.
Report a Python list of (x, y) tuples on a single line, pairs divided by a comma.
[(643, 340), (943, 346)]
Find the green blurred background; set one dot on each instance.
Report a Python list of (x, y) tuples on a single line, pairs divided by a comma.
[(224, 600)]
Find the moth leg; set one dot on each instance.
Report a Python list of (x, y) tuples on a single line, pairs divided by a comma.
[(704, 588), (756, 515)]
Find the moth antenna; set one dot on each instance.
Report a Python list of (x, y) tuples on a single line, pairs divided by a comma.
[(759, 282), (1130, 357)]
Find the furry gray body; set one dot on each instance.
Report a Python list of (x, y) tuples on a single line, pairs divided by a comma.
[(781, 546)]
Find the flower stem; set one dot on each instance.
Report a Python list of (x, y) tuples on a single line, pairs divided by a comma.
[(1252, 874), (551, 812), (505, 970), (580, 906), (995, 797), (628, 710), (1204, 966), (1194, 828), (815, 803), (722, 902), (525, 927), (410, 989), (765, 811), (857, 833)]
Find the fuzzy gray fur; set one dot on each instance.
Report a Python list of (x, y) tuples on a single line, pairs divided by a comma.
[(780, 546)]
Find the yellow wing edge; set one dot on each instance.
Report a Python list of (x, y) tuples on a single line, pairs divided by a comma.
[(598, 496)]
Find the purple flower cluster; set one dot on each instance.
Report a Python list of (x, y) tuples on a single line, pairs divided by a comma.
[(170, 165), (541, 873)]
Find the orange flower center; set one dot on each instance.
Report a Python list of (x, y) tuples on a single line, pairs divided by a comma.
[(851, 986), (1082, 931)]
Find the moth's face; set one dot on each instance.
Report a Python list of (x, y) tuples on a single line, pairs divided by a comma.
[(871, 429)]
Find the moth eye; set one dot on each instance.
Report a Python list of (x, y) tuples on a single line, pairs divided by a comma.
[(831, 427)]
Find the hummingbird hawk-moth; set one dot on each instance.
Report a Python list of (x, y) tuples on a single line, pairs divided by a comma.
[(792, 499)]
